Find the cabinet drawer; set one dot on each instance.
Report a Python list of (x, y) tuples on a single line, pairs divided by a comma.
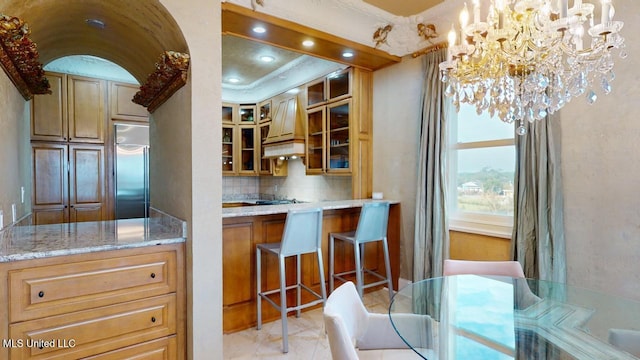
[(160, 349), (58, 289), (96, 331)]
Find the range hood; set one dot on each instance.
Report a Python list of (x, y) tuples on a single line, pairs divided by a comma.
[(286, 133)]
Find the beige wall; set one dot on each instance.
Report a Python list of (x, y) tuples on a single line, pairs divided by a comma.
[(396, 134), (15, 150), (185, 181), (601, 168)]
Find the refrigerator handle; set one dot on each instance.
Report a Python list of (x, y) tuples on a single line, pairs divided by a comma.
[(146, 181)]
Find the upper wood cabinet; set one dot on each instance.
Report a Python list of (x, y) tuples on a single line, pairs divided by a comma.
[(264, 111), (122, 107), (240, 140), (74, 112), (338, 127)]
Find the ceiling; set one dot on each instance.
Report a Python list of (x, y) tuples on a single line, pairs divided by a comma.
[(134, 34), (404, 7)]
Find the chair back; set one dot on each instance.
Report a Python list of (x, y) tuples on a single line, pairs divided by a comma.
[(372, 225), (302, 232), (344, 316), (495, 268), (626, 340)]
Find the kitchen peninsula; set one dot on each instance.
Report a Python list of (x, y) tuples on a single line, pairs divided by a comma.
[(111, 289), (244, 227)]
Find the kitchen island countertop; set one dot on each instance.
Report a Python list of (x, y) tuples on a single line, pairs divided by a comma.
[(42, 241), (283, 208)]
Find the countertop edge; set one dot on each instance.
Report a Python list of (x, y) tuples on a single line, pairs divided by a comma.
[(86, 250), (283, 208)]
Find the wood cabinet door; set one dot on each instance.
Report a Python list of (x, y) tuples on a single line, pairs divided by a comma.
[(121, 105), (86, 183), (49, 113), (49, 174), (86, 115)]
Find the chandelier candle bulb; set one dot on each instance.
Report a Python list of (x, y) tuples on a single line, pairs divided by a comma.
[(564, 8), (476, 11), (606, 8)]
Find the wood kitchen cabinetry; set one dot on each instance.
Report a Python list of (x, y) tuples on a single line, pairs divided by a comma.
[(109, 305), (264, 125), (240, 140), (121, 107), (68, 152), (240, 235), (74, 112), (68, 182), (338, 127)]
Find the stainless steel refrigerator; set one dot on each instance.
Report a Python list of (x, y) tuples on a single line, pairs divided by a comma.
[(131, 171)]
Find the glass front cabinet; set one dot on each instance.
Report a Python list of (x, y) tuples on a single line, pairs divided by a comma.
[(240, 144), (329, 125)]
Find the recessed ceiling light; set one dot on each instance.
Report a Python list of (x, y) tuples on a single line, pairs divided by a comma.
[(99, 24), (347, 54), (267, 58), (308, 43), (259, 29), (233, 80)]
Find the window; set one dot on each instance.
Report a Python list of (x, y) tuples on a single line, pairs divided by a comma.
[(481, 173)]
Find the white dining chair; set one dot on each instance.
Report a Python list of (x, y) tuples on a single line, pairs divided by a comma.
[(496, 268), (301, 235), (355, 333), (626, 339)]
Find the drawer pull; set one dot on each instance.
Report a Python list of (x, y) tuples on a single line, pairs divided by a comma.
[(41, 294), (153, 275), (153, 319)]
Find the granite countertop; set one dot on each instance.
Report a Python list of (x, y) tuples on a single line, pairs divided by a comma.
[(41, 241), (283, 208)]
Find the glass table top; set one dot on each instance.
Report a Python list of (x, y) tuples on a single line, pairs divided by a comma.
[(488, 317)]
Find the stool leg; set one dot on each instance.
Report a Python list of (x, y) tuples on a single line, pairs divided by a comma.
[(283, 306), (323, 291), (387, 266), (298, 289), (359, 277), (331, 260), (258, 288)]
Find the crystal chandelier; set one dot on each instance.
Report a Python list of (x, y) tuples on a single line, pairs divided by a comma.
[(530, 57)]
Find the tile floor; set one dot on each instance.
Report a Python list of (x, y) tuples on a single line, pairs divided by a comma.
[(307, 339)]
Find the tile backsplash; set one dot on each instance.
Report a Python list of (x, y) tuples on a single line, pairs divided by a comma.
[(296, 185)]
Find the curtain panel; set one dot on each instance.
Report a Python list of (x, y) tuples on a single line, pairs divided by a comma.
[(431, 237), (538, 230)]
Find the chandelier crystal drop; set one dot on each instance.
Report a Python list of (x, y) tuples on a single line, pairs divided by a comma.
[(531, 57)]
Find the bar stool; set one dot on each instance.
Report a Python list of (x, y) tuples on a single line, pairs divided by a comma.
[(301, 235), (372, 226)]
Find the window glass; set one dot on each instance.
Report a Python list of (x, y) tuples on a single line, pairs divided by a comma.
[(481, 172), (484, 180), (474, 127)]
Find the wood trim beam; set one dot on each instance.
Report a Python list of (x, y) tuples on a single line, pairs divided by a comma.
[(239, 21)]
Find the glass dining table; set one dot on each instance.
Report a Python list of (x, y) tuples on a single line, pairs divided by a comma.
[(489, 317)]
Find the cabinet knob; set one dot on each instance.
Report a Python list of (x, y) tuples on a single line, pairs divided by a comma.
[(41, 294), (153, 319), (153, 275)]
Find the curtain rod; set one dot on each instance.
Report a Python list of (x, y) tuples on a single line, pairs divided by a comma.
[(432, 48)]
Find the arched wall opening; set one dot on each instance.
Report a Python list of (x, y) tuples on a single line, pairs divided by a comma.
[(185, 181)]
